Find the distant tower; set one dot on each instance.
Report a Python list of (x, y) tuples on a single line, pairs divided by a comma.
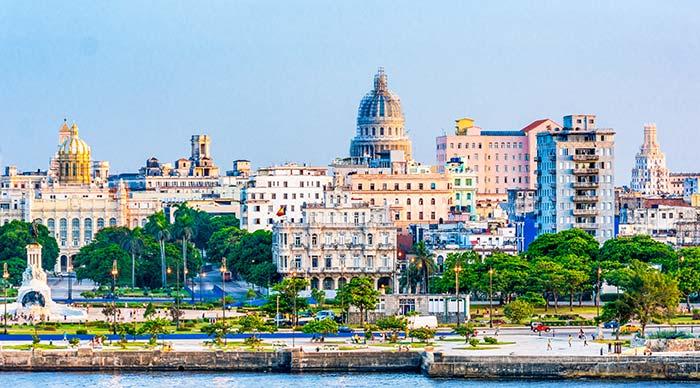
[(650, 175), (63, 132), (380, 123), (201, 148)]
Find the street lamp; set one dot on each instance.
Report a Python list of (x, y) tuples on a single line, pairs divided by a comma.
[(294, 298), (223, 295), (491, 270), (201, 280), (5, 277), (114, 272), (457, 269), (177, 297), (69, 269), (597, 294)]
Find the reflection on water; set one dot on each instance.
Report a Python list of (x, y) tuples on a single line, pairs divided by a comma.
[(273, 380)]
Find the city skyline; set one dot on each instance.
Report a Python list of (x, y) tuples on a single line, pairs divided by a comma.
[(267, 95)]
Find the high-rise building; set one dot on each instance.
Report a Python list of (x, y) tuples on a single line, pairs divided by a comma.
[(501, 160), (380, 124), (575, 181), (650, 175)]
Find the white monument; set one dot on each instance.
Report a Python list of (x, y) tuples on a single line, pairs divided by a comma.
[(34, 296)]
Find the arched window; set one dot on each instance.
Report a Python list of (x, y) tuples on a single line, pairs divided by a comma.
[(420, 201), (432, 201), (88, 230), (112, 222), (374, 131), (63, 230), (408, 201), (51, 224), (100, 223), (328, 284), (370, 239), (314, 239), (75, 230)]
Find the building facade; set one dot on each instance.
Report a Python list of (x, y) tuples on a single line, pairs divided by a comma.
[(279, 194), (380, 124), (502, 160), (575, 180), (332, 243), (650, 175)]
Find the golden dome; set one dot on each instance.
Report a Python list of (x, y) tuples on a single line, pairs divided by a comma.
[(74, 145)]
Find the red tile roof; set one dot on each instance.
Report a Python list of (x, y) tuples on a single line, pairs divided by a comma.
[(536, 124)]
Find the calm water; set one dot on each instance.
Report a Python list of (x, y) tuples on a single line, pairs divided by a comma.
[(328, 380)]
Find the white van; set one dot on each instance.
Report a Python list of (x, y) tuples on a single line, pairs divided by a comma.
[(429, 321)]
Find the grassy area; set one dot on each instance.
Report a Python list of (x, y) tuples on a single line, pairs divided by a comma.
[(37, 346), (409, 344), (478, 347), (625, 342)]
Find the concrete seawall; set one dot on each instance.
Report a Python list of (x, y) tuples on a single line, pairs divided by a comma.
[(545, 367), (435, 365)]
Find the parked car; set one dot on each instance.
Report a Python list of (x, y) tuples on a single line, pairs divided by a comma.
[(281, 321), (611, 325), (538, 327), (323, 314), (629, 329)]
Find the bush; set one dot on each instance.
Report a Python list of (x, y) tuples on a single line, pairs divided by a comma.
[(74, 341), (518, 310), (474, 342), (490, 340), (609, 297), (696, 314), (81, 332), (252, 341), (533, 298), (670, 334), (422, 333)]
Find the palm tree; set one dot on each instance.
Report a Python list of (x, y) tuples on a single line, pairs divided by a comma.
[(158, 227), (132, 242), (184, 230), (425, 263)]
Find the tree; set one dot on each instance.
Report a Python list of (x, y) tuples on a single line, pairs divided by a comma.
[(132, 242), (640, 247), (183, 229), (518, 310), (425, 263), (324, 327), (360, 292), (392, 323), (253, 323), (218, 330), (149, 311), (250, 253), (14, 238), (319, 296), (221, 242), (467, 331), (687, 272), (94, 261), (158, 227), (154, 327), (549, 276), (288, 291), (648, 294), (423, 334), (567, 242)]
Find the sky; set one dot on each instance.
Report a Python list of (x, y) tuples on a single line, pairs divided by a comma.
[(279, 81)]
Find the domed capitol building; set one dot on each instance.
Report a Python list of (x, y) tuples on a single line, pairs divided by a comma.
[(380, 124), (72, 199)]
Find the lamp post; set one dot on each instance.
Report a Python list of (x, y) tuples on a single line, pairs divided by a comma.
[(5, 277), (457, 269), (294, 303), (114, 272), (223, 295), (201, 282), (491, 297), (70, 283), (597, 294), (177, 297)]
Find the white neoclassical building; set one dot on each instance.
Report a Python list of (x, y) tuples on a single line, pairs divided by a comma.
[(332, 243)]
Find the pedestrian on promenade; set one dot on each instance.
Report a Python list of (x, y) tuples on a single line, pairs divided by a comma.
[(570, 338), (585, 341), (549, 344)]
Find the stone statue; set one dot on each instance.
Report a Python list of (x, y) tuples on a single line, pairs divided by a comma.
[(34, 231)]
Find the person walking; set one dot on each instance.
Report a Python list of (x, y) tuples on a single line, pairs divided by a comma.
[(570, 338), (549, 344)]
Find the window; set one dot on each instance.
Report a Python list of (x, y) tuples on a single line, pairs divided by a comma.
[(420, 201), (100, 223), (63, 230), (328, 262), (297, 240), (432, 201), (51, 225), (112, 222), (75, 231), (314, 239), (408, 201), (370, 261), (88, 230), (370, 239), (356, 261), (314, 261)]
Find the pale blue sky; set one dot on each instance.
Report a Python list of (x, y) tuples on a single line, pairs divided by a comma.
[(281, 81)]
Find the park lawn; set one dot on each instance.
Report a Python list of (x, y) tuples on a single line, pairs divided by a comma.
[(625, 342), (478, 347), (37, 346), (395, 344)]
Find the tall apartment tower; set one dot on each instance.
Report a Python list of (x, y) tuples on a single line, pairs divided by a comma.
[(575, 184), (650, 175)]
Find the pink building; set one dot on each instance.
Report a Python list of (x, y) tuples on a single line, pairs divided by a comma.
[(502, 160)]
